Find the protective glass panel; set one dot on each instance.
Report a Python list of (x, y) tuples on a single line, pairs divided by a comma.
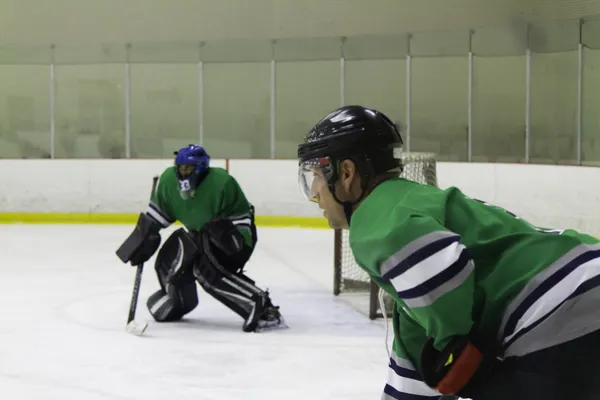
[(90, 111), (237, 110), (554, 108), (164, 108), (25, 111), (309, 49), (25, 55), (554, 92), (440, 44), (590, 146), (90, 54), (379, 84), (499, 91), (306, 92), (170, 53), (244, 51), (439, 109), (375, 47), (500, 41)]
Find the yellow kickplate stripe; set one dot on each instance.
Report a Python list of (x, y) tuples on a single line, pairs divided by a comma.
[(115, 218)]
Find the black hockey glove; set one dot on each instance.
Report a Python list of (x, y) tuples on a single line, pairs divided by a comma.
[(222, 251), (457, 369), (142, 243), (222, 241)]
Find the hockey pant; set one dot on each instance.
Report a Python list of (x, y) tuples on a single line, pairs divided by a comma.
[(234, 290), (566, 371)]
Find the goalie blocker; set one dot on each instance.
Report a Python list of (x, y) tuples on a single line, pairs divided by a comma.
[(142, 243), (215, 257)]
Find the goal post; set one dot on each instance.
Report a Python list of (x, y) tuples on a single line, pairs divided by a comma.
[(351, 281)]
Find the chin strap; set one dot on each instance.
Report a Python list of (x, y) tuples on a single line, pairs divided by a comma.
[(349, 205), (348, 208), (367, 175)]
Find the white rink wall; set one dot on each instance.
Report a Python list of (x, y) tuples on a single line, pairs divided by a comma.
[(551, 196)]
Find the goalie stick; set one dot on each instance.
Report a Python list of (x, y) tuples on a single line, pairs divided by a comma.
[(138, 327)]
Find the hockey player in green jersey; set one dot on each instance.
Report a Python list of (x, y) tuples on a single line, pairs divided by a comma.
[(218, 239), (487, 306)]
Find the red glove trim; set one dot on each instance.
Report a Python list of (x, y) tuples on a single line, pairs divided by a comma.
[(462, 370)]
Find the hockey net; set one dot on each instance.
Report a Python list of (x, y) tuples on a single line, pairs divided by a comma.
[(350, 280)]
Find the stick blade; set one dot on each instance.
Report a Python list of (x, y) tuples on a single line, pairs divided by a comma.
[(137, 328)]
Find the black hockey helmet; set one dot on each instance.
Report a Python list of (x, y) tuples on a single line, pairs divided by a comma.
[(365, 136)]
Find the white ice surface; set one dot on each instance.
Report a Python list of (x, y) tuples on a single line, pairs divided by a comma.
[(65, 296)]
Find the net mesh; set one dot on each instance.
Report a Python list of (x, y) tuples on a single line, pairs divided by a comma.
[(418, 167)]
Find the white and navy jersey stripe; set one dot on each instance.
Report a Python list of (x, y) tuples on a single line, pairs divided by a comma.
[(427, 268), (158, 215), (558, 304), (405, 383), (244, 221)]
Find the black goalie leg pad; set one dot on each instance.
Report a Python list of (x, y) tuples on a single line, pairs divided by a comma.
[(220, 275), (239, 294), (176, 259), (173, 304), (232, 295), (176, 298)]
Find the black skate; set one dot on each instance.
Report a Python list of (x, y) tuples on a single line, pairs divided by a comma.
[(264, 315)]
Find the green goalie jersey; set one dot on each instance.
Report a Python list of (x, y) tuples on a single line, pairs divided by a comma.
[(218, 195), (459, 266)]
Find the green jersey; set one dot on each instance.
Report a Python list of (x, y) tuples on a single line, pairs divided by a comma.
[(459, 266), (217, 195)]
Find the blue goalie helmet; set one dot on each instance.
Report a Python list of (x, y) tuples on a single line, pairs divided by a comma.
[(191, 165)]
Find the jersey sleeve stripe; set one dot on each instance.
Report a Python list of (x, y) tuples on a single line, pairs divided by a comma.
[(546, 331), (434, 276), (412, 247), (156, 213), (241, 216), (157, 217), (158, 210), (390, 393), (574, 284), (245, 222), (542, 283), (403, 371), (406, 382), (427, 293), (410, 260), (402, 362)]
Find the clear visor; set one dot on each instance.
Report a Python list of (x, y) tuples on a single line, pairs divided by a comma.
[(310, 179)]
